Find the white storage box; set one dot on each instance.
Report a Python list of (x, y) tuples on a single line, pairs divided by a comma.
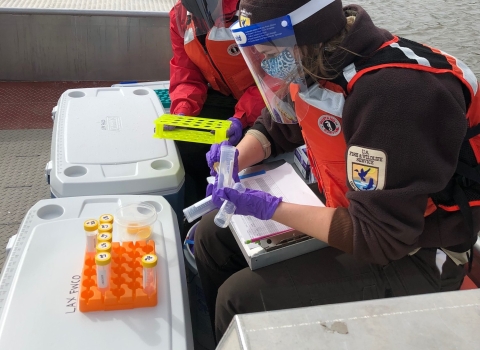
[(160, 88), (39, 285), (301, 161), (103, 144)]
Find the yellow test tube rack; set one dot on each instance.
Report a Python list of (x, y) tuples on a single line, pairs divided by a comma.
[(192, 129)]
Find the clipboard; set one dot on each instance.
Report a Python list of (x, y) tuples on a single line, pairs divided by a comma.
[(288, 244)]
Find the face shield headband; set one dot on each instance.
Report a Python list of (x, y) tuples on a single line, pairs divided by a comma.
[(270, 51)]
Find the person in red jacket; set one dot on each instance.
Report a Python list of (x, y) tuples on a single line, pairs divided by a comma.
[(205, 56)]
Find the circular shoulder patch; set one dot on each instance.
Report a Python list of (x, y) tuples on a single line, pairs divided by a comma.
[(329, 125), (233, 50)]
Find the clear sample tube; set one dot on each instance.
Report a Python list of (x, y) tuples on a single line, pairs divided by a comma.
[(90, 227), (104, 237), (199, 209), (149, 263), (105, 228), (222, 219), (106, 219), (103, 247), (103, 261), (225, 168)]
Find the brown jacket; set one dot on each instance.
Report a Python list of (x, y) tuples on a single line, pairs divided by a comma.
[(418, 119)]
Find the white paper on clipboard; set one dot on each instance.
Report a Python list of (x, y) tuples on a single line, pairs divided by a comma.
[(281, 182)]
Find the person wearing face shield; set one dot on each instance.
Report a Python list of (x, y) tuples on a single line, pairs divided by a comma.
[(206, 60), (392, 131)]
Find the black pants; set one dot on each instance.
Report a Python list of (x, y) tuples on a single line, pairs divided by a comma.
[(325, 276)]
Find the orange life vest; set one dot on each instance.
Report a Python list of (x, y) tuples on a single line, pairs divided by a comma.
[(220, 60), (321, 122)]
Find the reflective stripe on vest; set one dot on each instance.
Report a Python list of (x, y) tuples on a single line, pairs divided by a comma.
[(220, 60), (329, 167)]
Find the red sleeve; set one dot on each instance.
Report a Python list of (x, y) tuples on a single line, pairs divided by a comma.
[(188, 87), (249, 106)]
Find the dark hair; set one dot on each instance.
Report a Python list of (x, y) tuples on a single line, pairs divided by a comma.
[(316, 58)]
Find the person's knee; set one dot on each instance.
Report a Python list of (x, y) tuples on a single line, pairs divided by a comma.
[(226, 307), (210, 239)]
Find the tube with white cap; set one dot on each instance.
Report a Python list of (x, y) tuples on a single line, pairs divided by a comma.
[(202, 207)]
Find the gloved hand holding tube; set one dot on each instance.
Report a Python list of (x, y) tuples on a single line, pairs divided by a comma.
[(228, 171), (255, 203), (238, 200), (213, 157)]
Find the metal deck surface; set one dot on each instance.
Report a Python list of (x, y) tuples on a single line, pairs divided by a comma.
[(25, 137), (152, 7)]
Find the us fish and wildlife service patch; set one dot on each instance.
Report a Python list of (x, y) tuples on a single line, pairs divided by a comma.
[(244, 21), (245, 18), (366, 168)]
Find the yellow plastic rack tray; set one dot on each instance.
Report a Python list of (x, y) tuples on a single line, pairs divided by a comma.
[(185, 129)]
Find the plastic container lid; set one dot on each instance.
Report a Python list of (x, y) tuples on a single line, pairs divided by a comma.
[(90, 225), (149, 260), (136, 215)]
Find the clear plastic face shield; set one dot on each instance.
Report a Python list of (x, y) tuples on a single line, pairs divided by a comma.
[(272, 55), (201, 14)]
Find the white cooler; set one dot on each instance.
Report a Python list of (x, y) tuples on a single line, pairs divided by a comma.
[(103, 144), (40, 284), (160, 88)]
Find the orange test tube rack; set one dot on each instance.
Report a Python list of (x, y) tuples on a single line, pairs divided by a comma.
[(126, 281)]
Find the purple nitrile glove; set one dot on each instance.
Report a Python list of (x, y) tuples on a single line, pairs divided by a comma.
[(171, 127), (255, 203), (234, 133), (209, 190), (213, 156)]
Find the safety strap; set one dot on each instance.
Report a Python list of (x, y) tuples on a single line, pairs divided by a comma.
[(465, 172), (310, 8), (472, 132), (462, 201)]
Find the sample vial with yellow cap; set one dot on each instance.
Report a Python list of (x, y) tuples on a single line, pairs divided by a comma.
[(149, 263), (104, 247), (90, 227), (103, 261), (104, 227), (106, 219), (104, 237)]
